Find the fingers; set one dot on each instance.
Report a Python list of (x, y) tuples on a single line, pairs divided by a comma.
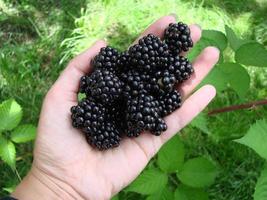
[(202, 65), (190, 109), (158, 27), (69, 79)]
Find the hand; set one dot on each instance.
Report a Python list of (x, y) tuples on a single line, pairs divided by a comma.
[(66, 167)]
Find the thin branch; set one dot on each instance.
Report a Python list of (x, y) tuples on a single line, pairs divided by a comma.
[(238, 107)]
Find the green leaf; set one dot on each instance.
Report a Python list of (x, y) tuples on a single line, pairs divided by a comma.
[(197, 172), (115, 197), (200, 122), (23, 133), (184, 192), (10, 115), (252, 54), (237, 76), (148, 182), (171, 155), (8, 152), (216, 78), (261, 186), (234, 41), (163, 194), (256, 138), (219, 39)]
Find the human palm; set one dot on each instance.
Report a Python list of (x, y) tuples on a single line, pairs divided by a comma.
[(62, 153)]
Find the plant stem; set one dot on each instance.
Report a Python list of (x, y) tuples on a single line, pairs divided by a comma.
[(173, 180), (252, 104)]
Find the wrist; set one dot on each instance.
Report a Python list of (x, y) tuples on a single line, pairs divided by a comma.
[(39, 185)]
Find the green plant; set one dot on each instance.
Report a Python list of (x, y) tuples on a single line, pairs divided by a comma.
[(11, 131)]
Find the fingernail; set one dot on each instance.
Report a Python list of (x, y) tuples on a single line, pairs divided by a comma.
[(173, 15)]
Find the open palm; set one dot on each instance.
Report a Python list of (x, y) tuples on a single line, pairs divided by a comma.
[(61, 152)]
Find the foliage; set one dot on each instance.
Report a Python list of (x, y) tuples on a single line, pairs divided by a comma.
[(11, 132), (37, 38)]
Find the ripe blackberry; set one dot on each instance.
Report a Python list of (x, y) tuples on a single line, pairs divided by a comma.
[(170, 102), (105, 137), (148, 54), (143, 113), (177, 37), (103, 86), (88, 113), (93, 119), (106, 59), (180, 67)]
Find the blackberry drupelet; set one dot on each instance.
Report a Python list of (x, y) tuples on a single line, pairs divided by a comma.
[(143, 113), (106, 59), (103, 86), (170, 102), (177, 37), (148, 54)]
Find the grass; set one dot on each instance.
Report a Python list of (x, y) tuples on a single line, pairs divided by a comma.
[(37, 38)]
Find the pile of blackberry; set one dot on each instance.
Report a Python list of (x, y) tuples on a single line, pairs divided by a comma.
[(131, 92)]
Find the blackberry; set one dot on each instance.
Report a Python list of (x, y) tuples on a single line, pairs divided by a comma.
[(105, 137), (92, 118), (180, 67), (177, 37), (106, 59), (170, 102), (148, 54), (88, 113), (143, 113), (103, 86)]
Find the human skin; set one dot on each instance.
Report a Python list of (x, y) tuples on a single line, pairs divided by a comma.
[(66, 167)]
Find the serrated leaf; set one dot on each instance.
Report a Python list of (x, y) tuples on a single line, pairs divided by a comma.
[(187, 193), (197, 172), (148, 182), (219, 39), (237, 76), (261, 186), (171, 155), (10, 115), (256, 138), (163, 194), (23, 133), (8, 152), (252, 54), (234, 41), (200, 122), (216, 78)]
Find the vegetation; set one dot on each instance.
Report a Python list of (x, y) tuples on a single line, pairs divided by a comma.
[(209, 158)]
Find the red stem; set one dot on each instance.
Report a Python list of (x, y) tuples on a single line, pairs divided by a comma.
[(238, 107)]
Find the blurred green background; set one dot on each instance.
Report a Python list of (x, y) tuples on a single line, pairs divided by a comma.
[(38, 37)]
